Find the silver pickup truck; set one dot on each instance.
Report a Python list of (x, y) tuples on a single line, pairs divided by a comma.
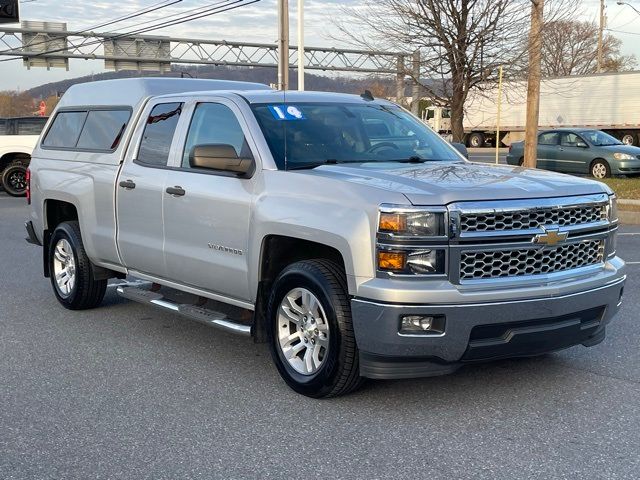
[(337, 228)]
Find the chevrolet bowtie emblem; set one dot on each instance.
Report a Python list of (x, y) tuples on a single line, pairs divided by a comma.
[(550, 237)]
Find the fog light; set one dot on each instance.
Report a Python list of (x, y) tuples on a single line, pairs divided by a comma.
[(422, 324)]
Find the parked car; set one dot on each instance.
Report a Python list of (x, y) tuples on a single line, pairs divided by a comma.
[(581, 151), (18, 136), (340, 229)]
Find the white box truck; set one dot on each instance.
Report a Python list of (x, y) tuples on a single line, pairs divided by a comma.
[(608, 102)]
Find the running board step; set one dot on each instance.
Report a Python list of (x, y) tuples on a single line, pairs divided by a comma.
[(193, 312)]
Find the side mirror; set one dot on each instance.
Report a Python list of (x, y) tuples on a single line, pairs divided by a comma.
[(582, 145), (462, 149), (219, 157)]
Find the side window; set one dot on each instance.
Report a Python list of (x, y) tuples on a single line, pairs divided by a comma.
[(158, 134), (215, 124), (549, 138), (31, 126), (65, 130), (103, 129), (569, 139)]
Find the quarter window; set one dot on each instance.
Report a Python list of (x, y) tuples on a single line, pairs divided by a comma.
[(158, 134), (65, 130), (103, 129), (215, 124)]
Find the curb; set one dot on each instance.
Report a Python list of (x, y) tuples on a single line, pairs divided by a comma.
[(629, 218)]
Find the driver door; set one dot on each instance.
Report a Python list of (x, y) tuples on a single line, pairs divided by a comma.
[(207, 222)]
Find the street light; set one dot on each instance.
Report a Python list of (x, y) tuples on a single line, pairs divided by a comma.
[(628, 4)]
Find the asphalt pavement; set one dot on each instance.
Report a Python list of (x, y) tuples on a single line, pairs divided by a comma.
[(128, 392), (488, 155)]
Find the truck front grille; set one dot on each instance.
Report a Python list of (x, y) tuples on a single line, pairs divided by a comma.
[(475, 265), (532, 219)]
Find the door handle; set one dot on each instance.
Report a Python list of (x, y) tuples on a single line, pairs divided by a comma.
[(128, 184), (176, 191)]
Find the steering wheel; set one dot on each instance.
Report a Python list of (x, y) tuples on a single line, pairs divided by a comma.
[(377, 146)]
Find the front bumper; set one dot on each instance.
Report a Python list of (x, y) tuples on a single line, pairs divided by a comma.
[(625, 167), (481, 331)]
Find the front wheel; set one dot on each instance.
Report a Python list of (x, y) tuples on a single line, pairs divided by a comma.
[(72, 271), (14, 180), (476, 140), (600, 169), (310, 331)]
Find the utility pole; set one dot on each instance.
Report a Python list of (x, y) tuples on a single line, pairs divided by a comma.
[(283, 44), (533, 89), (301, 45), (600, 35)]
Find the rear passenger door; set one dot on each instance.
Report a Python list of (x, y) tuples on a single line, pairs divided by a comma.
[(548, 150), (140, 188), (207, 223)]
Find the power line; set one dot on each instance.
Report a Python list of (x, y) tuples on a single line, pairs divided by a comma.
[(138, 13), (211, 10), (621, 31)]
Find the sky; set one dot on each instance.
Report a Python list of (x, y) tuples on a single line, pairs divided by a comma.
[(253, 23)]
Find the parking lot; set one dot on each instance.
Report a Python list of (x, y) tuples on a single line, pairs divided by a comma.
[(128, 391)]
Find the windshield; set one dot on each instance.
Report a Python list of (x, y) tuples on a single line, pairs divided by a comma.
[(304, 135), (600, 139)]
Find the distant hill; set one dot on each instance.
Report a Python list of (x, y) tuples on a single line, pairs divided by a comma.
[(378, 85)]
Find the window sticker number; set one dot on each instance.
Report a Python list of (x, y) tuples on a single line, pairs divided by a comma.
[(286, 112)]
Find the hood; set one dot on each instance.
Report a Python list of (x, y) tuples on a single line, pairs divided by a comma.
[(441, 183), (630, 149)]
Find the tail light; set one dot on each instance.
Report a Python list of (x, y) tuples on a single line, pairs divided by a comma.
[(28, 186)]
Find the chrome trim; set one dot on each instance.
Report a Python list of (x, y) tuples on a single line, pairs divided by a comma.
[(505, 206)]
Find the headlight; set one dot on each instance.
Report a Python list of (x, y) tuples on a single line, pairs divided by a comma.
[(412, 262), (623, 156), (613, 208), (411, 222)]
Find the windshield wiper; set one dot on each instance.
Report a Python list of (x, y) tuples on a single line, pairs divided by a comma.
[(411, 159), (330, 161)]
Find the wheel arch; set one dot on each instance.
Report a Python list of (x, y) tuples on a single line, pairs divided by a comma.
[(7, 158), (276, 253)]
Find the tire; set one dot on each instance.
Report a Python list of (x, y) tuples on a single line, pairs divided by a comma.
[(66, 252), (337, 372), (600, 169), (14, 180), (629, 138), (476, 140)]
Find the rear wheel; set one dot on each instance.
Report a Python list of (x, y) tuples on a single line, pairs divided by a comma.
[(310, 331), (14, 180), (600, 169), (476, 140), (72, 271)]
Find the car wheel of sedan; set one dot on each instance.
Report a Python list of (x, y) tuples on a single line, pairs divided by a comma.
[(14, 180), (600, 169), (310, 333), (72, 271)]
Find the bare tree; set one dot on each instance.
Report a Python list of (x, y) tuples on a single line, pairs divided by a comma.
[(462, 42), (13, 104), (570, 48)]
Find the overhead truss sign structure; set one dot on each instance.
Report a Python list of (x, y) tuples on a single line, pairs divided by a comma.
[(119, 49)]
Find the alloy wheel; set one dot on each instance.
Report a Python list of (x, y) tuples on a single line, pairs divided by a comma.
[(64, 267), (303, 331)]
